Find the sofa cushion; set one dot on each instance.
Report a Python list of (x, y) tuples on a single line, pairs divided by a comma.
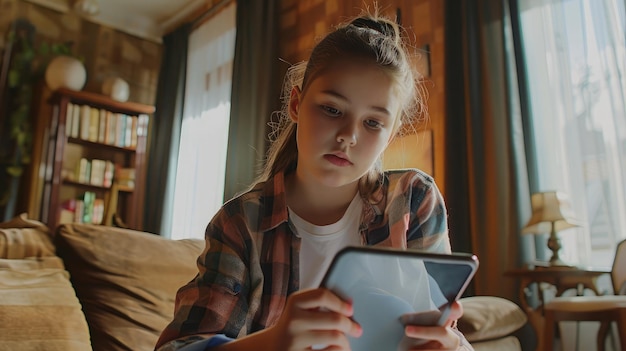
[(38, 307), (22, 237), (509, 343), (489, 317), (126, 281)]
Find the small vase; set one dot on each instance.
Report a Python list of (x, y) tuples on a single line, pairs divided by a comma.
[(116, 88), (66, 72)]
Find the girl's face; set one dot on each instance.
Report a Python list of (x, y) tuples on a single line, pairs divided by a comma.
[(345, 118)]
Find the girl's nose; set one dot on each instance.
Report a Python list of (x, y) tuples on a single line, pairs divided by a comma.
[(347, 134)]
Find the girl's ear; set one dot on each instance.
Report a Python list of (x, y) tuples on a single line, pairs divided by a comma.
[(294, 103)]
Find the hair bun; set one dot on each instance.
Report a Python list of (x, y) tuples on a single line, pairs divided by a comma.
[(383, 27)]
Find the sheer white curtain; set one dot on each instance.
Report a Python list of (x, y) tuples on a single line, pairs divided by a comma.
[(576, 63), (199, 189)]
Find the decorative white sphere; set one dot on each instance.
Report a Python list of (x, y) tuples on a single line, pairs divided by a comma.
[(116, 88), (66, 72)]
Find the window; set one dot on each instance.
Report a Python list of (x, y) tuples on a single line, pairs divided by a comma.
[(575, 56), (199, 189)]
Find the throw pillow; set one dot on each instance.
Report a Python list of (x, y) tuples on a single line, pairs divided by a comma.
[(126, 281), (489, 317), (38, 307), (21, 238), (22, 221)]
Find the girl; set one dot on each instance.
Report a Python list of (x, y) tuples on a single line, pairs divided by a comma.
[(322, 189)]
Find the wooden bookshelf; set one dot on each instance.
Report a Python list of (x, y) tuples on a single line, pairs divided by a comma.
[(70, 154)]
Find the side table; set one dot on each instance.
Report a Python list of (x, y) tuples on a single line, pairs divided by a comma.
[(561, 278)]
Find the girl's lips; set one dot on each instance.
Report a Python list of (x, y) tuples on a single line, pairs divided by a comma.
[(337, 160)]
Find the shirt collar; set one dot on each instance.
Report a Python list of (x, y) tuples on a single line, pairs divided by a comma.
[(274, 204)]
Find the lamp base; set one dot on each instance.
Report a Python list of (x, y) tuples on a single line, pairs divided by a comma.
[(554, 244)]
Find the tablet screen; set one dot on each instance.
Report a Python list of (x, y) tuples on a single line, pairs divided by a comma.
[(385, 285)]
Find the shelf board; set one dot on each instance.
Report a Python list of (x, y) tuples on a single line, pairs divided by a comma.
[(95, 187), (99, 145), (104, 101)]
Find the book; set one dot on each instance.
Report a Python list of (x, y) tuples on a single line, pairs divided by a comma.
[(97, 215), (128, 130), (83, 173), (85, 118), (67, 211), (120, 124), (133, 131), (109, 170), (111, 128), (94, 123), (97, 172), (75, 132), (88, 200), (79, 211), (102, 125)]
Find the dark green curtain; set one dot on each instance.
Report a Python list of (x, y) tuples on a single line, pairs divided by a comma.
[(255, 91), (487, 179), (164, 132)]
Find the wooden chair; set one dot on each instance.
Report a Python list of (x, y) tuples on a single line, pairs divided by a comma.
[(605, 308)]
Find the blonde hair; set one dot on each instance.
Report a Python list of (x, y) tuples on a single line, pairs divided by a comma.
[(370, 37)]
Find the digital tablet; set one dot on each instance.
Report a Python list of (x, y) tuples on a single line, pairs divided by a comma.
[(391, 288)]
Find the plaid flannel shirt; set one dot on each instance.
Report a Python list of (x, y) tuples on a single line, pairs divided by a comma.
[(251, 260)]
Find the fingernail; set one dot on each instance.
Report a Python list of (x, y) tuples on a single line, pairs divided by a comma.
[(350, 309)]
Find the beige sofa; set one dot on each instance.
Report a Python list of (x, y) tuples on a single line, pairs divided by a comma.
[(89, 287)]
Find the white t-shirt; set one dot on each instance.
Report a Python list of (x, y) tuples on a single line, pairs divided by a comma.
[(320, 243)]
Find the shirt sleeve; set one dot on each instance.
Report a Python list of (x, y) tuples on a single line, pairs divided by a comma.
[(216, 300), (428, 227), (195, 343)]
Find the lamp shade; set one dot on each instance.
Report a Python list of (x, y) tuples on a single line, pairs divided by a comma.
[(550, 207)]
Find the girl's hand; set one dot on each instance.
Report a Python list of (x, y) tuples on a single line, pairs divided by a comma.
[(315, 319), (438, 337)]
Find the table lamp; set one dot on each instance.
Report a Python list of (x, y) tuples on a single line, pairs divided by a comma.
[(551, 213)]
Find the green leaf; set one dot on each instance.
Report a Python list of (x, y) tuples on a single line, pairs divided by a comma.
[(14, 78), (15, 171), (44, 49)]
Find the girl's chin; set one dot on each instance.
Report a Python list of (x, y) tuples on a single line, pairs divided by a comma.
[(337, 180)]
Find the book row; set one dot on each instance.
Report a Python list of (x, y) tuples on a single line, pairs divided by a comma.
[(94, 172), (101, 173), (85, 209), (102, 126)]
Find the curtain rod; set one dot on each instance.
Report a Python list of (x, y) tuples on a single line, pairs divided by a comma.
[(209, 13)]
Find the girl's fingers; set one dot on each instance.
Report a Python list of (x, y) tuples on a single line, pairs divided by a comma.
[(439, 337), (324, 321), (320, 310), (456, 312), (322, 299), (315, 319), (442, 336)]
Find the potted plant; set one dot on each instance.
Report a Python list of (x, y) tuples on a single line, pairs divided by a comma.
[(23, 65)]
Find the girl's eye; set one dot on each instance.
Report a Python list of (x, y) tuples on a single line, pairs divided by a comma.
[(370, 123), (331, 111)]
